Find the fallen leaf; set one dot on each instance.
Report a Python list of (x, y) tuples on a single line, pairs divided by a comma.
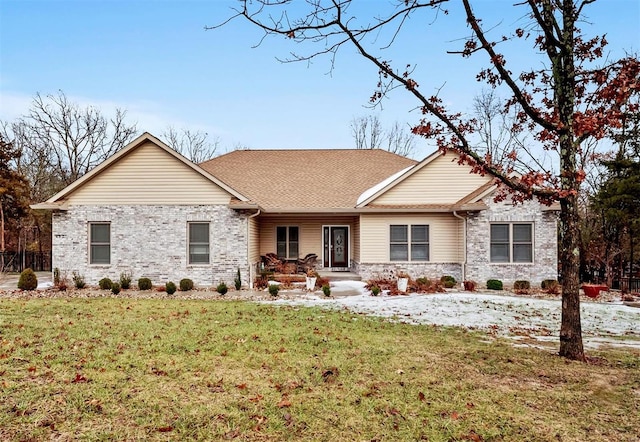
[(421, 397), (79, 379), (166, 429)]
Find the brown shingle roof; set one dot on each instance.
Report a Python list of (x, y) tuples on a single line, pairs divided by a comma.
[(321, 179)]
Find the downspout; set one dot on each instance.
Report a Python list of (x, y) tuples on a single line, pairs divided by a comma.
[(464, 244), (251, 275)]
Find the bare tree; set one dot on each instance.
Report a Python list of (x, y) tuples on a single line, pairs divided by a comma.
[(368, 133), (194, 145), (563, 101), (62, 140)]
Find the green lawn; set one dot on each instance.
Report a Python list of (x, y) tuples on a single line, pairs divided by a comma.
[(123, 369)]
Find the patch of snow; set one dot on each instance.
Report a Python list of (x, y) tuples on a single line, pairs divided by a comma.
[(509, 316)]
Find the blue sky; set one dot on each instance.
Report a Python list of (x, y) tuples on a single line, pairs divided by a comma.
[(154, 59)]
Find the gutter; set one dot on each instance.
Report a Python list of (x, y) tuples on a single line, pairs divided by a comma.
[(251, 275), (464, 244)]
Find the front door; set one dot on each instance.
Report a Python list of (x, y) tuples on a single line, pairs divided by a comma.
[(336, 247)]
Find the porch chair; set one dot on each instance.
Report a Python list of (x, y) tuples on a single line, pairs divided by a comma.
[(306, 263), (272, 263)]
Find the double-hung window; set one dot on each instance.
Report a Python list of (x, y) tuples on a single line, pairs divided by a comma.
[(409, 242), (99, 243), (512, 242), (198, 243), (287, 241)]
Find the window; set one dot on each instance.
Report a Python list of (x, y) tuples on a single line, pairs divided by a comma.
[(198, 243), (287, 242), (512, 242), (99, 243), (409, 243)]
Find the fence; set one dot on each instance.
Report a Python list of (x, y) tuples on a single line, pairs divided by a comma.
[(628, 285), (18, 261)]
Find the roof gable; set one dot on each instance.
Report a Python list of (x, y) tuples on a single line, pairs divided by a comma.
[(436, 180), (149, 169)]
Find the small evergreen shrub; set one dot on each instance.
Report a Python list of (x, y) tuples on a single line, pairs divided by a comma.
[(521, 285), (222, 288), (28, 280), (115, 288), (186, 284), (78, 280), (56, 277), (105, 284), (326, 289), (548, 283), (494, 284), (274, 289), (170, 288), (448, 281), (375, 290), (125, 280), (238, 280), (144, 284)]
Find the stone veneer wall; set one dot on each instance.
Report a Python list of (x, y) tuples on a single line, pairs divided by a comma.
[(151, 241), (545, 244), (414, 270)]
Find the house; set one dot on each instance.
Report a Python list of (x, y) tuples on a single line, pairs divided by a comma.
[(149, 211)]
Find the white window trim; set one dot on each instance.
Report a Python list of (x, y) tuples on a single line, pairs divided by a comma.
[(90, 243), (409, 242), (287, 241), (197, 264), (511, 261)]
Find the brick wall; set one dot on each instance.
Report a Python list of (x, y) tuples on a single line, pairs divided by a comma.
[(415, 270), (151, 241), (544, 266)]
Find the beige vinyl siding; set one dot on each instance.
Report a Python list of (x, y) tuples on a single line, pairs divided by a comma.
[(439, 182), (149, 175), (310, 231), (355, 240), (445, 236), (254, 240)]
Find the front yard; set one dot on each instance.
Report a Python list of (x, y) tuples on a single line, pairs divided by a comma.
[(182, 369)]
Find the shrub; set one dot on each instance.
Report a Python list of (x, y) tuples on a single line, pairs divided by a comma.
[(494, 284), (521, 285), (144, 284), (547, 283), (115, 288), (448, 281), (238, 280), (375, 290), (170, 288), (326, 289), (56, 277), (28, 280), (261, 282), (78, 280), (274, 289), (222, 288), (552, 287), (186, 284), (469, 286), (125, 280), (105, 284)]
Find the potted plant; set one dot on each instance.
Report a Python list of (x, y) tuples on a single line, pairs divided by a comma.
[(311, 279), (402, 281)]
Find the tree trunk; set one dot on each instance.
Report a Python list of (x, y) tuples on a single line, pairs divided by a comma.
[(570, 328)]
